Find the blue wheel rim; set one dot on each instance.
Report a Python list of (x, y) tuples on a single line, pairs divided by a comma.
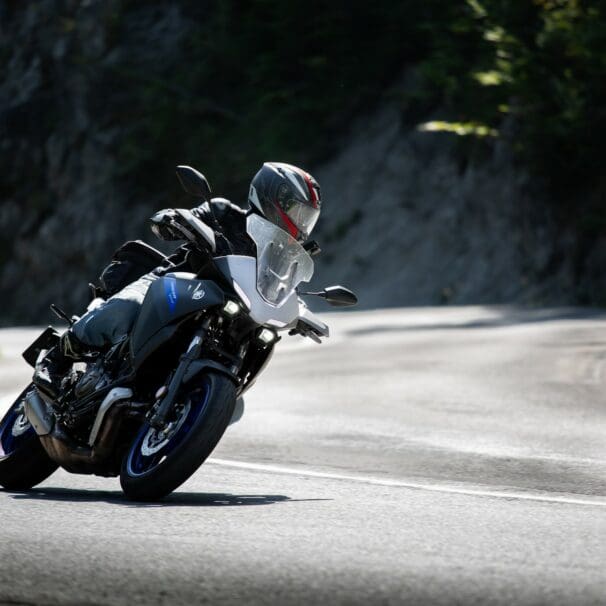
[(138, 463), (15, 430)]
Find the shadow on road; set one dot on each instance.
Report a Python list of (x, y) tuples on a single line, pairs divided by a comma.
[(508, 317), (190, 499)]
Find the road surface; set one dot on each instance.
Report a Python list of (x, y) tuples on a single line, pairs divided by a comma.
[(420, 456)]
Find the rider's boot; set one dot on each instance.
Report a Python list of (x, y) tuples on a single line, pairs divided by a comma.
[(58, 361)]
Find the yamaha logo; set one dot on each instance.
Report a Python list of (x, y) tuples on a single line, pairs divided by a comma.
[(198, 294)]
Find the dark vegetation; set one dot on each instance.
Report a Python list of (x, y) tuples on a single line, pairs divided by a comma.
[(267, 80), (262, 79), (538, 67)]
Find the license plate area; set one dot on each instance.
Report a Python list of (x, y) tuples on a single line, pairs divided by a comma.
[(46, 340)]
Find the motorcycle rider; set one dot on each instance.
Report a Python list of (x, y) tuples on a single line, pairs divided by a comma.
[(281, 193)]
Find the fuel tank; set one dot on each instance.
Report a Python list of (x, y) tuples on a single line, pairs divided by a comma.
[(168, 301)]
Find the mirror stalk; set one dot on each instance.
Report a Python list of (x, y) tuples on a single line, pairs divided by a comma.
[(337, 296)]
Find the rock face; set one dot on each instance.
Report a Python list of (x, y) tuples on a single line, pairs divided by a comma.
[(404, 222), (64, 201)]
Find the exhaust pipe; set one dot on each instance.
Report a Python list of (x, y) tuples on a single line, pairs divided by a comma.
[(37, 413), (101, 458), (97, 458)]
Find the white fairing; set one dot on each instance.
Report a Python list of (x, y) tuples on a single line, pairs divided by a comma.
[(243, 273), (282, 263), (267, 284)]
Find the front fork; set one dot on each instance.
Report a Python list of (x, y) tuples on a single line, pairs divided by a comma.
[(157, 415), (190, 364)]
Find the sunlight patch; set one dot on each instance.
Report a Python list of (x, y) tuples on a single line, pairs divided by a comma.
[(461, 129)]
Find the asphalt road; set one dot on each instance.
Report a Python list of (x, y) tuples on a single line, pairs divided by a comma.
[(430, 456)]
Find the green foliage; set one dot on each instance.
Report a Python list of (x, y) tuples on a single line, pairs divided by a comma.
[(541, 63), (553, 57)]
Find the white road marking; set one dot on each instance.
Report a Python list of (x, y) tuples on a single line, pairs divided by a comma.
[(497, 494)]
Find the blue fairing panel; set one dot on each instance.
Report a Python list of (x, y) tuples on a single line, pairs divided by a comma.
[(169, 300)]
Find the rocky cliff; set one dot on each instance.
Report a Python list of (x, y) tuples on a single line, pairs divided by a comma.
[(407, 222), (65, 200)]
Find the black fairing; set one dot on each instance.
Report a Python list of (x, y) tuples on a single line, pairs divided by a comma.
[(168, 301)]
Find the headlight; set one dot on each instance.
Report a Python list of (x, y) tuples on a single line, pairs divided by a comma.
[(267, 336), (231, 308)]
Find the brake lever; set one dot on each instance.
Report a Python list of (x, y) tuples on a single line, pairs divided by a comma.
[(306, 333)]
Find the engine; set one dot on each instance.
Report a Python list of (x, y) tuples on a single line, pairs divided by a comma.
[(78, 410)]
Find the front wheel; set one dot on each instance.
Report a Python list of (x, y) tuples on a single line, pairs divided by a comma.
[(157, 462), (23, 461)]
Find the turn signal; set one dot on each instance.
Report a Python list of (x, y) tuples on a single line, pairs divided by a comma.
[(267, 336), (231, 308)]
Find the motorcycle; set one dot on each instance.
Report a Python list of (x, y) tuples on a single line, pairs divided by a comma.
[(153, 407)]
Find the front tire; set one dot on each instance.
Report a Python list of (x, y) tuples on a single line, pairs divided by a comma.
[(23, 461), (156, 464)]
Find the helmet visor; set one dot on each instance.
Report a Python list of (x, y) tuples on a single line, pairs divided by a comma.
[(303, 215)]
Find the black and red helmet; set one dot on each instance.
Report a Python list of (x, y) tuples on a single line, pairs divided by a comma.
[(286, 196)]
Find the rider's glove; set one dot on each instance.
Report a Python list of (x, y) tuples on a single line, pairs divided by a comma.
[(162, 224)]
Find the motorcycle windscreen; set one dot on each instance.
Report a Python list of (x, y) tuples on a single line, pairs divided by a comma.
[(282, 263)]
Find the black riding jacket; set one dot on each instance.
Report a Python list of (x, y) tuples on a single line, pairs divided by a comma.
[(229, 224)]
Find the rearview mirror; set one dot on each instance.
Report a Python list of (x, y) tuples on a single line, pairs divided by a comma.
[(193, 182), (339, 296)]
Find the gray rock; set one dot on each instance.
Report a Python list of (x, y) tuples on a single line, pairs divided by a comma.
[(403, 224), (63, 205)]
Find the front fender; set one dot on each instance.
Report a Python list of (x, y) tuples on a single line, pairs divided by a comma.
[(238, 411), (199, 366)]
